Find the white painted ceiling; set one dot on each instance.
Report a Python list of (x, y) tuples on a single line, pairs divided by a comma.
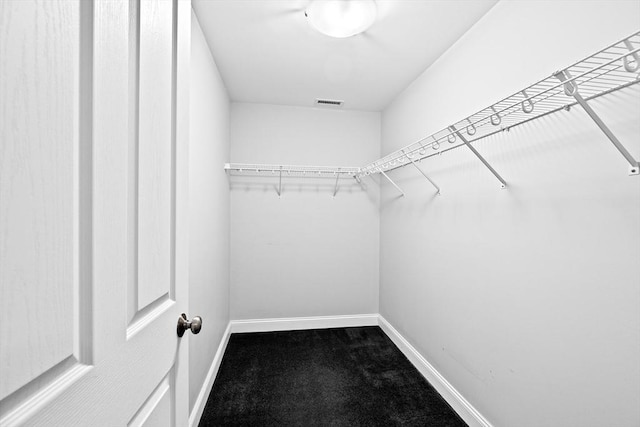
[(268, 53)]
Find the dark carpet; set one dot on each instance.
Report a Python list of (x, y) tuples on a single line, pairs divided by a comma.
[(322, 377)]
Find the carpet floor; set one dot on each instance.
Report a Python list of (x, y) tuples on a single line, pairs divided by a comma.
[(322, 377)]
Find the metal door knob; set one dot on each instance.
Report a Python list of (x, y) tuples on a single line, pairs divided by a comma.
[(194, 324)]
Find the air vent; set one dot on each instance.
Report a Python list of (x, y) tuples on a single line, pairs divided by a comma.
[(329, 102)]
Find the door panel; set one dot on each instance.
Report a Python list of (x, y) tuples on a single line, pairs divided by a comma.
[(157, 411), (93, 237), (41, 210), (152, 148), (155, 151)]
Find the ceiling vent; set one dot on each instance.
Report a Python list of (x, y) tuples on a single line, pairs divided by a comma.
[(329, 102)]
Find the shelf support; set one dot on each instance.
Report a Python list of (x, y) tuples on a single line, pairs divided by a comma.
[(394, 184), (425, 175), (335, 190), (503, 183), (571, 89), (280, 183)]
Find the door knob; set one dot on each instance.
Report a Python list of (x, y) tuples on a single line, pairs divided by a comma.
[(194, 324)]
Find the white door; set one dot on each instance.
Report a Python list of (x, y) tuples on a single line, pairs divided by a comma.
[(93, 239)]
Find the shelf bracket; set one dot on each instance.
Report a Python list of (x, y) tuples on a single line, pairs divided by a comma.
[(335, 190), (425, 175), (280, 183), (394, 184), (571, 89), (503, 183)]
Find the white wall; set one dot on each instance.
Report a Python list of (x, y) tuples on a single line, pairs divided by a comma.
[(208, 210), (525, 299), (306, 253)]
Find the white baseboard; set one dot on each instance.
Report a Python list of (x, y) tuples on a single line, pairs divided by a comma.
[(201, 401), (466, 411), (299, 323)]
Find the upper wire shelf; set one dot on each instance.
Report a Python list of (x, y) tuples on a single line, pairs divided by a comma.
[(278, 171), (614, 67), (290, 170)]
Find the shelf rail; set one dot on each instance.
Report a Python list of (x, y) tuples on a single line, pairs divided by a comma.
[(614, 67)]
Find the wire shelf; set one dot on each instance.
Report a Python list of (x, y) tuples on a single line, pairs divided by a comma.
[(250, 169), (613, 68)]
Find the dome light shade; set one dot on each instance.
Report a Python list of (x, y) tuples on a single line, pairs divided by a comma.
[(341, 18)]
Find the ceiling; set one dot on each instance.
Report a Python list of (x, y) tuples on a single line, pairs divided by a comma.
[(268, 53)]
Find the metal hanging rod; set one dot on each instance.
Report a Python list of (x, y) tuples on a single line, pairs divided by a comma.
[(613, 68)]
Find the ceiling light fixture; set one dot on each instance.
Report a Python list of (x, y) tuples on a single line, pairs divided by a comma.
[(341, 18)]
